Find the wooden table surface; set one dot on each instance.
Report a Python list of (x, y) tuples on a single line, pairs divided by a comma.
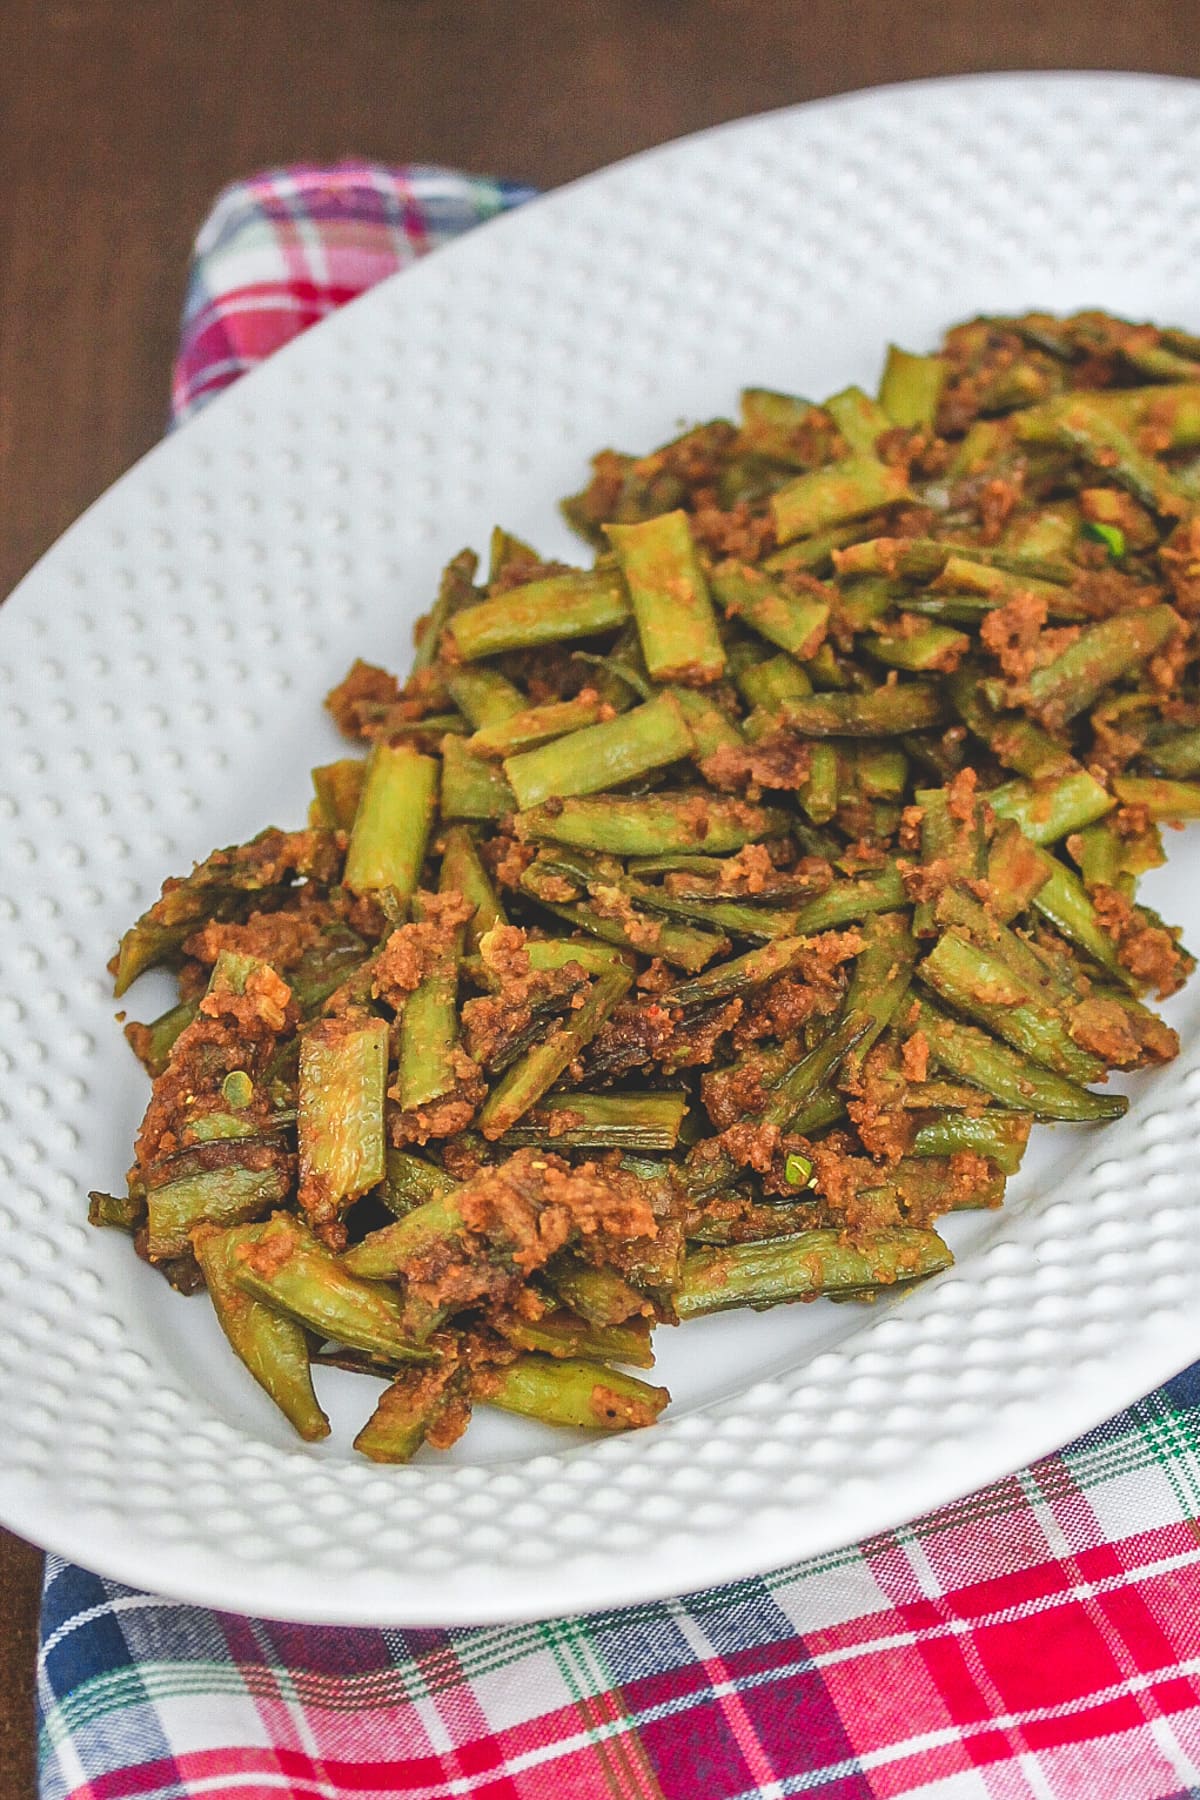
[(120, 119)]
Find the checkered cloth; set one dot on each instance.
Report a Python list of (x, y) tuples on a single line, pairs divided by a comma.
[(1039, 1641)]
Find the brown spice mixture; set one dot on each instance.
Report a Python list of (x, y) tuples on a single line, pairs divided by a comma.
[(875, 1104), (886, 1129), (752, 1146), (914, 1056), (656, 977), (1165, 668), (750, 870), (967, 1176), (636, 1036), (231, 1031), (909, 837), (1131, 822), (364, 688), (278, 938), (693, 1043), (1112, 746), (1106, 591), (739, 532), (611, 902), (781, 760), (927, 881), (1012, 632), (417, 948), (520, 571), (960, 796), (610, 471), (997, 502), (435, 1393), (531, 1205), (742, 1088), (507, 859), (840, 1175), (1180, 561), (1125, 1040), (493, 1022), (615, 1411), (1150, 952), (447, 1116)]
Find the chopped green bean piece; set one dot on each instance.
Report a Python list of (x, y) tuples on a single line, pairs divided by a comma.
[(740, 975), (186, 1193), (813, 1262), (1048, 810), (472, 787), (587, 1395), (551, 611), (561, 1334), (1075, 679), (882, 712), (464, 873), (538, 725), (830, 496), (527, 1080), (603, 1122), (455, 590), (288, 1269), (1171, 801), (1000, 1136), (671, 603), (393, 821), (152, 1044), (982, 986), (861, 420), (428, 1056), (652, 823), (651, 736), (920, 652), (484, 696), (912, 387), (1016, 1082), (343, 1075), (273, 1348), (795, 624), (338, 789), (409, 1181)]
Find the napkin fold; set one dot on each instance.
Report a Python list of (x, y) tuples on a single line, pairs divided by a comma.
[(1039, 1640)]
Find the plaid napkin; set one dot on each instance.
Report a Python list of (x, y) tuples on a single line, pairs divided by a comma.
[(1038, 1641)]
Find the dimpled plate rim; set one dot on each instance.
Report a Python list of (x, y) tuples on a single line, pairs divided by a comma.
[(160, 678)]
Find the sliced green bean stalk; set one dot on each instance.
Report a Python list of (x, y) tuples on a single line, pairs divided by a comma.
[(273, 1346)]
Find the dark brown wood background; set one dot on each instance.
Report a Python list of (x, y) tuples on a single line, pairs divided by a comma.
[(120, 119)]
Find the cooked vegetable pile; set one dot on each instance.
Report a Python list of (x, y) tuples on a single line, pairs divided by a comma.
[(701, 926)]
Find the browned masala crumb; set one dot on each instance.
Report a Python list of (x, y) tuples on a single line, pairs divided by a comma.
[(415, 949), (494, 1021), (781, 760), (358, 694), (517, 1215), (231, 1031), (1012, 633), (1150, 952), (1123, 1039), (278, 938)]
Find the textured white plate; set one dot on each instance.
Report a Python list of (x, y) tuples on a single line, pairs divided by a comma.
[(160, 681)]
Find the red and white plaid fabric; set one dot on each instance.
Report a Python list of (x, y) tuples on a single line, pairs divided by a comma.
[(1038, 1641)]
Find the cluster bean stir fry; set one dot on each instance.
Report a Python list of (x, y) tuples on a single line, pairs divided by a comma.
[(693, 930)]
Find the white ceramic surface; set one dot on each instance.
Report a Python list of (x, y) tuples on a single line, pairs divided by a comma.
[(161, 673)]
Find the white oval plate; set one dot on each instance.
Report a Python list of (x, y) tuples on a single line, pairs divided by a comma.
[(161, 674)]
